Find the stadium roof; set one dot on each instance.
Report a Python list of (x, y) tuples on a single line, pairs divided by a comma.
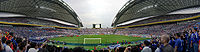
[(136, 9), (46, 9)]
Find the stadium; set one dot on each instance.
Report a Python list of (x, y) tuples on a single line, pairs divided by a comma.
[(139, 26)]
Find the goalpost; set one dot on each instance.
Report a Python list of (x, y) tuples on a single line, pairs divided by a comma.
[(91, 38)]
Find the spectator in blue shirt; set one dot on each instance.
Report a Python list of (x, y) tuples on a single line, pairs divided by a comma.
[(178, 44), (183, 38), (194, 40), (172, 42), (187, 41)]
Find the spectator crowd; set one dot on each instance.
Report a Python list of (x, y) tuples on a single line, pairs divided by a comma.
[(186, 40), (162, 18), (157, 29), (172, 37), (37, 32), (87, 31)]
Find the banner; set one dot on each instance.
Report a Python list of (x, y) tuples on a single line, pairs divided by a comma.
[(114, 46)]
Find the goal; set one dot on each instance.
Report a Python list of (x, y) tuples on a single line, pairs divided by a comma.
[(92, 40)]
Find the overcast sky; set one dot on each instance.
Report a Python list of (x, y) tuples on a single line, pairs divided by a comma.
[(96, 11)]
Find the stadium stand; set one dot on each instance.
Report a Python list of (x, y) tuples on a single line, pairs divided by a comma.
[(88, 31), (161, 18), (173, 24), (157, 29), (19, 33), (169, 32), (137, 9), (32, 21), (46, 9)]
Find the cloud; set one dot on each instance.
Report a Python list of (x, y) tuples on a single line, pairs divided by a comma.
[(96, 11)]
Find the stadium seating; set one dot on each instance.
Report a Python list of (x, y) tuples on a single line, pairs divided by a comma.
[(162, 18), (32, 21), (170, 29), (157, 29), (87, 31), (181, 35), (35, 32)]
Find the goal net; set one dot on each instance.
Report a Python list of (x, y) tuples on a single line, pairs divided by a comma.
[(92, 40)]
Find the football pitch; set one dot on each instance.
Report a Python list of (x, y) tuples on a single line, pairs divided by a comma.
[(105, 39)]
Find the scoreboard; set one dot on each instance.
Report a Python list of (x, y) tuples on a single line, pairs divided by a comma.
[(96, 25)]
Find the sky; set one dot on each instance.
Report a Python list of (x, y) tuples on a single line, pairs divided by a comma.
[(96, 11)]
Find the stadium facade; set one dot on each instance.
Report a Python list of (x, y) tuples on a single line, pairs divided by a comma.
[(141, 12), (54, 11)]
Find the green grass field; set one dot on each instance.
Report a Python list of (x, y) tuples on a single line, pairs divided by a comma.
[(105, 39)]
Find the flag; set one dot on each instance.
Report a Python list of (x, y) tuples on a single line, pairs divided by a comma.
[(77, 35), (114, 46), (95, 48), (7, 33)]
